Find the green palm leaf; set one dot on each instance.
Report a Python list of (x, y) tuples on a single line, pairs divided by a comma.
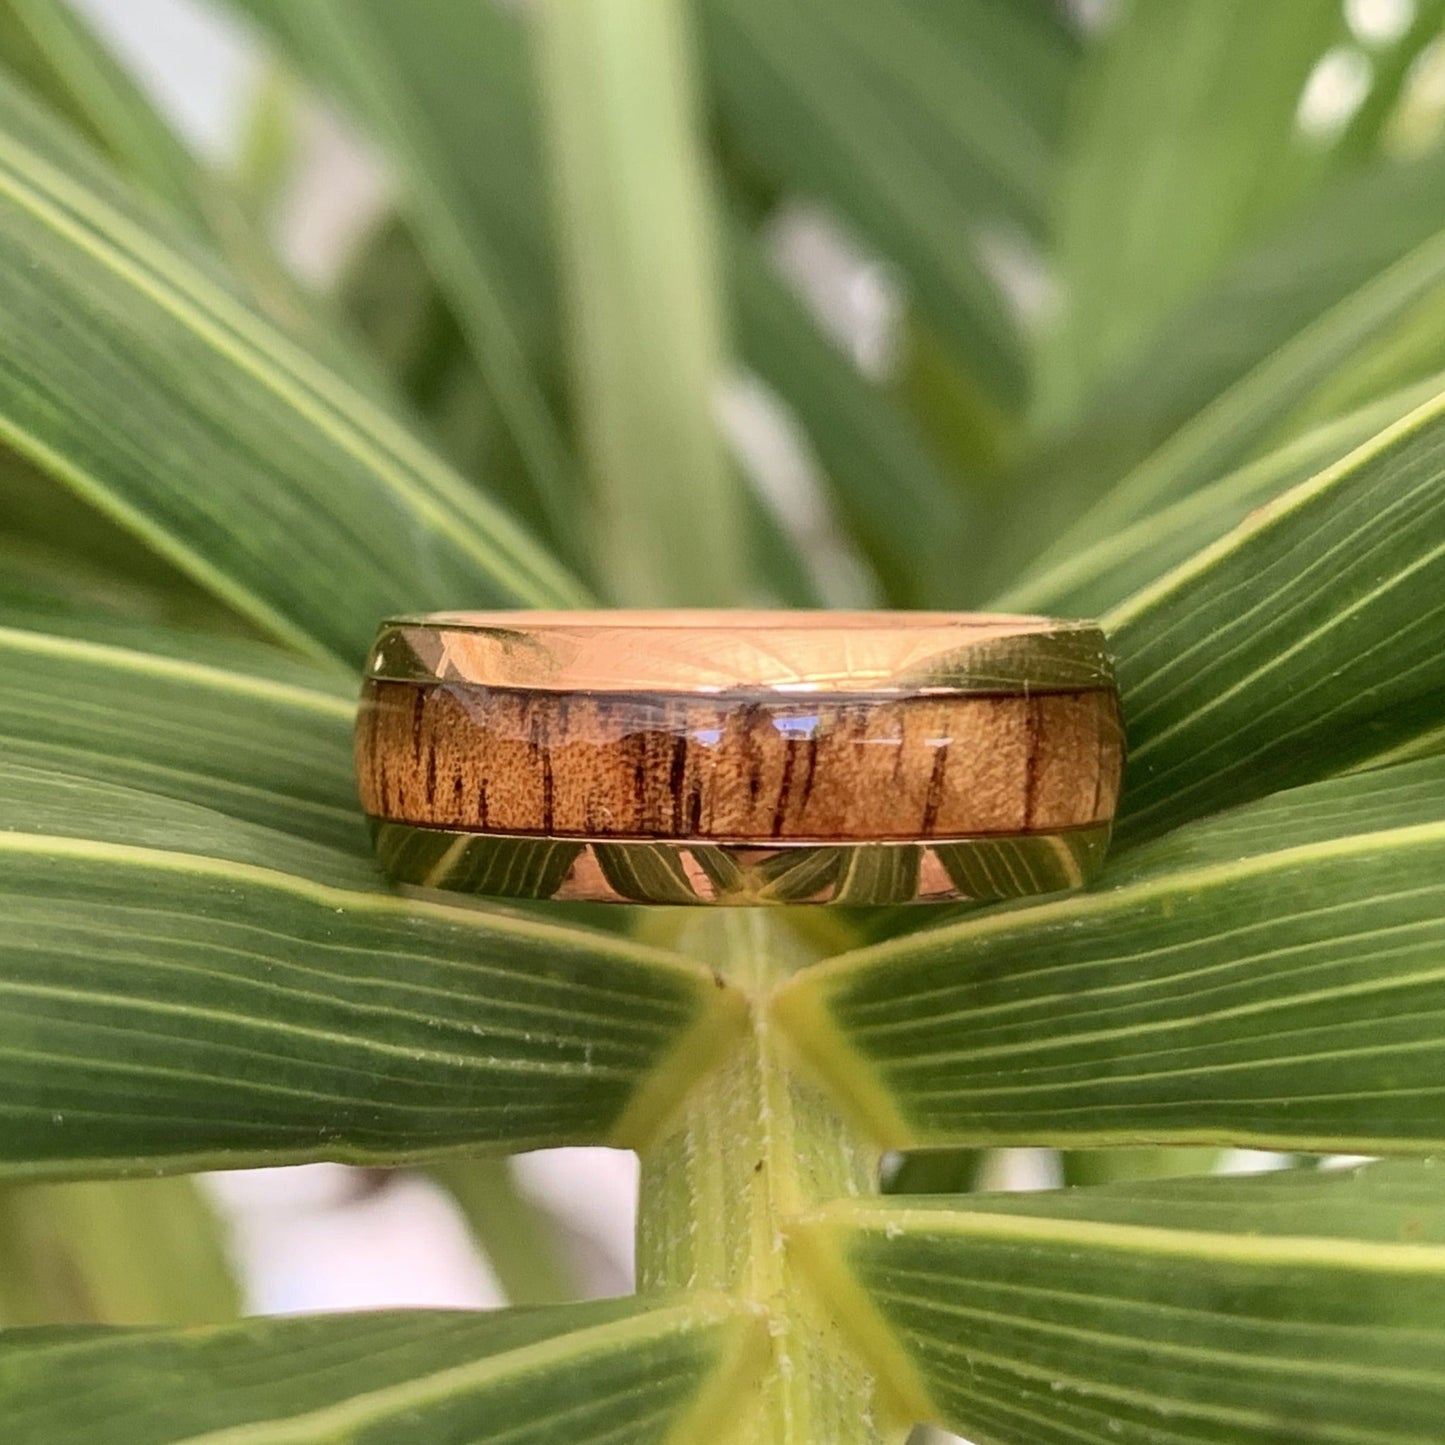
[(786, 86), (615, 1373), (1268, 978), (64, 62), (1244, 367), (900, 504), (226, 726), (1304, 1307), (174, 1010), (67, 64), (1149, 211), (1302, 643), (102, 306), (119, 1252), (635, 233), (412, 77), (1107, 572), (1200, 397)]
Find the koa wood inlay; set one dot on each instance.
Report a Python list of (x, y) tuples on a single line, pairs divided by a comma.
[(828, 769)]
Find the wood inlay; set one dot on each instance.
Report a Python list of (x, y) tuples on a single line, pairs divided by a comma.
[(761, 767)]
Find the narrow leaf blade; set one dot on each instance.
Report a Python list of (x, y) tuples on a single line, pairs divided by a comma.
[(434, 86), (1108, 571), (116, 1252), (169, 1011), (788, 90), (1241, 369), (635, 238), (1302, 1306), (1270, 978), (230, 727), (1300, 644), (281, 489), (1151, 210), (623, 1372)]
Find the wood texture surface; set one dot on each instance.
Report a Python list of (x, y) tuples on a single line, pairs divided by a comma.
[(751, 768)]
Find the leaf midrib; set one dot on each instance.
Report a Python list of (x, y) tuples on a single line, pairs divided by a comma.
[(329, 896), (200, 674), (1263, 1250)]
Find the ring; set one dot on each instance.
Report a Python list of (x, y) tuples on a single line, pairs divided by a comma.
[(740, 757)]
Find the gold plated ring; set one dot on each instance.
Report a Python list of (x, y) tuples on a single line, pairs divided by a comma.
[(740, 757)]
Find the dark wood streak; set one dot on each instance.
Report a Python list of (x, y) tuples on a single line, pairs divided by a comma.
[(418, 722), (810, 767), (785, 786), (933, 799), (676, 777), (750, 716), (549, 792)]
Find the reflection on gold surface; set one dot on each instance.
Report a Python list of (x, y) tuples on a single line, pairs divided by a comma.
[(699, 651), (738, 875)]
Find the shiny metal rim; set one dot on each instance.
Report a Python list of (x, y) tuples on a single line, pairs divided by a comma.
[(745, 653), (738, 874)]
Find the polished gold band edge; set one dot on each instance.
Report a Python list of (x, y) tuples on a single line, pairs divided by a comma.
[(708, 872), (1071, 657)]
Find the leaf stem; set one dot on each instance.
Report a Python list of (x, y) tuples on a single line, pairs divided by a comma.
[(753, 1148)]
